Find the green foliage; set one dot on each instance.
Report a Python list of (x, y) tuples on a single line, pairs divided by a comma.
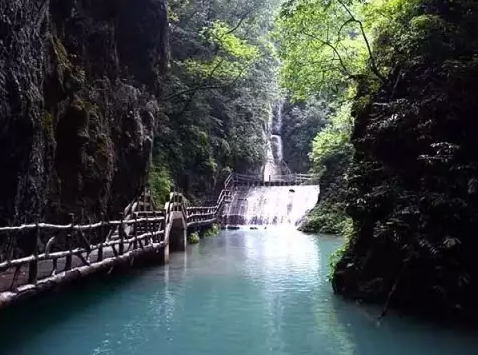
[(233, 54), (333, 140), (213, 231), (301, 123), (327, 218), (331, 156), (222, 83), (194, 238), (221, 34), (160, 183), (218, 67), (329, 46), (323, 45)]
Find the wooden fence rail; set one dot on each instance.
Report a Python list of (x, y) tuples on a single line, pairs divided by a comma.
[(35, 254), (32, 253), (291, 179)]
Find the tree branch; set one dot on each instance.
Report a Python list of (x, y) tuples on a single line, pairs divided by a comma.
[(336, 53), (343, 25), (208, 86), (367, 43), (242, 19)]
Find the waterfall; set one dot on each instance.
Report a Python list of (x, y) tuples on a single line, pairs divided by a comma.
[(271, 205), (275, 164)]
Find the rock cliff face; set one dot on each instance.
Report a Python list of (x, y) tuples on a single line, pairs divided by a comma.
[(79, 88), (414, 181)]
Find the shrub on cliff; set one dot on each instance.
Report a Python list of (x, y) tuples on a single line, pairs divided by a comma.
[(301, 123), (331, 156), (160, 183)]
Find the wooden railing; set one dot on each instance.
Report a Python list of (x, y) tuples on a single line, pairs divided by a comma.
[(32, 253), (35, 253), (289, 179)]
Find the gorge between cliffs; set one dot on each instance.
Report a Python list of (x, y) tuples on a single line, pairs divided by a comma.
[(111, 105)]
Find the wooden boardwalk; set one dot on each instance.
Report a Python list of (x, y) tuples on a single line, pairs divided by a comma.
[(9, 281), (63, 253), (39, 256)]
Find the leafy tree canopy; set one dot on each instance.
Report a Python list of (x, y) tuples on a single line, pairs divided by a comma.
[(328, 45), (334, 139), (219, 91)]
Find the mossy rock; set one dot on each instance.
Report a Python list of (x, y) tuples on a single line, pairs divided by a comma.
[(48, 124)]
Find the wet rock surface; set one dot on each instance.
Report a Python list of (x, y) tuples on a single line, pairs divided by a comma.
[(79, 88)]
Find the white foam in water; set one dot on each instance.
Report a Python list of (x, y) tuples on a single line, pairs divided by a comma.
[(272, 205)]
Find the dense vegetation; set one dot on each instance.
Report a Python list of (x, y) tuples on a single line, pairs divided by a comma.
[(407, 67), (219, 94), (323, 55), (301, 122), (331, 156)]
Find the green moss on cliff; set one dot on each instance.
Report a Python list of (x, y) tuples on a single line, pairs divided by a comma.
[(47, 123), (61, 54)]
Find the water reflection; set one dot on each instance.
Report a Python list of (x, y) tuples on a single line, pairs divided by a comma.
[(244, 292), (398, 334)]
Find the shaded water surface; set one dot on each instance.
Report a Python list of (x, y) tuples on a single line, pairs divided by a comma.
[(243, 292)]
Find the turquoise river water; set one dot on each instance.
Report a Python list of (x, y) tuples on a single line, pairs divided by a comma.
[(243, 292)]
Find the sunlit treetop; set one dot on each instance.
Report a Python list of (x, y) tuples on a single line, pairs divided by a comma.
[(326, 45)]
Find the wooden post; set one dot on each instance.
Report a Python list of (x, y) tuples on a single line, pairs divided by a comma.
[(12, 238), (146, 229), (152, 229), (15, 277), (102, 234), (121, 234), (135, 231), (144, 199), (33, 267), (69, 257)]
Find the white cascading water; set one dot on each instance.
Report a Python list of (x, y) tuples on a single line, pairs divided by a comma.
[(272, 205), (274, 161)]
